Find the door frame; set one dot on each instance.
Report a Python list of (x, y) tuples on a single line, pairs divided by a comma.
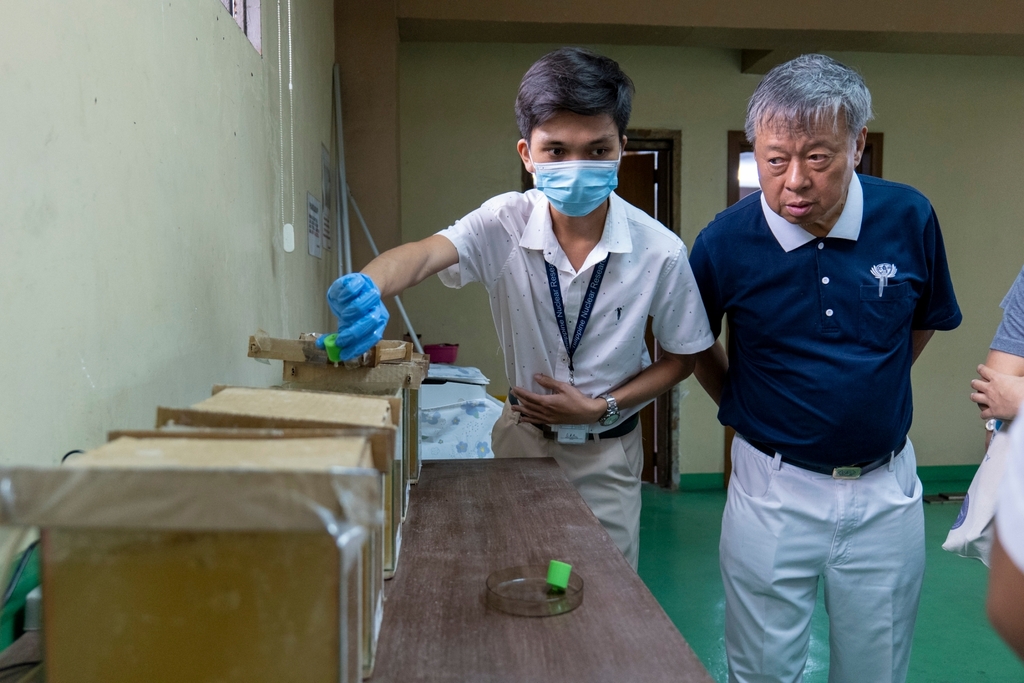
[(666, 407)]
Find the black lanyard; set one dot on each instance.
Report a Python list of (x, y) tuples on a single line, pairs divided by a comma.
[(586, 308)]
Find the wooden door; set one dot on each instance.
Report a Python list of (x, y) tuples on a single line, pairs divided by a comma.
[(643, 182)]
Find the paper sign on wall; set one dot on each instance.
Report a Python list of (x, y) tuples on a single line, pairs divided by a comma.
[(325, 227), (313, 225), (325, 209)]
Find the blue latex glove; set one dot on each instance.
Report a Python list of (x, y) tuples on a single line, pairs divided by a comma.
[(361, 314)]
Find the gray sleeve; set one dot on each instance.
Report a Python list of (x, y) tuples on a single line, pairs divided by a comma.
[(1010, 334)]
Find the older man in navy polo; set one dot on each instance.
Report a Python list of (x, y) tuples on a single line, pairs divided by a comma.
[(832, 284)]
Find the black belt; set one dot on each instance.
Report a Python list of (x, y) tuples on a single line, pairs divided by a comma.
[(844, 472), (628, 425)]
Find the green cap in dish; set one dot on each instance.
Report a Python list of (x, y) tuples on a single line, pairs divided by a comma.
[(558, 575)]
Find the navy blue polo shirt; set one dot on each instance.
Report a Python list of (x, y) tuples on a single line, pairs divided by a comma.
[(819, 361)]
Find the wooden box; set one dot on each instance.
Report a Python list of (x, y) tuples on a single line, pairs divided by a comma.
[(237, 407), (404, 402), (392, 379), (388, 366), (372, 556), (279, 408), (189, 560)]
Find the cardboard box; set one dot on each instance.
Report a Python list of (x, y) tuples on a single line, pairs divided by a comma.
[(202, 560)]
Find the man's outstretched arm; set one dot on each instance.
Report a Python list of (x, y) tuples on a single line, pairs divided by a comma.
[(397, 269), (356, 298)]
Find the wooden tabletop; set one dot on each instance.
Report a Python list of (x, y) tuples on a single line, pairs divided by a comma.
[(469, 518)]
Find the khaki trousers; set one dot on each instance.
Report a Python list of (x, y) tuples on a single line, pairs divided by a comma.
[(606, 473)]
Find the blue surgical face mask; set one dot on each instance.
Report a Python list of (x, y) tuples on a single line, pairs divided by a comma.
[(575, 188)]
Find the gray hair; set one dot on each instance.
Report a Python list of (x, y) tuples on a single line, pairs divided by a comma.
[(807, 93)]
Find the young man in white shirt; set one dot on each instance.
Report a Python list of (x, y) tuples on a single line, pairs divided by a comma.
[(573, 273)]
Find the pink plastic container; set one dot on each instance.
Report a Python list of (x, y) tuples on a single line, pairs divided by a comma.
[(441, 353)]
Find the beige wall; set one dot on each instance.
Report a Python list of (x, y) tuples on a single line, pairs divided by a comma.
[(140, 210), (952, 129), (917, 16)]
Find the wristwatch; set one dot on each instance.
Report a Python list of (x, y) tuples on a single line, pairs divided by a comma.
[(611, 415)]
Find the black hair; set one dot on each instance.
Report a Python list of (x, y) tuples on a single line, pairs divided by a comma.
[(576, 80)]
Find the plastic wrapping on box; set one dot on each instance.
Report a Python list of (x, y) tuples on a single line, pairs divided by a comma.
[(157, 568), (211, 498)]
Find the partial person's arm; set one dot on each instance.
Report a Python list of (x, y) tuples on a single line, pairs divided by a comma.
[(568, 405), (1000, 391), (712, 363), (710, 370), (410, 264), (920, 339), (1005, 602)]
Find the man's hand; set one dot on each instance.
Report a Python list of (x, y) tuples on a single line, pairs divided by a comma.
[(566, 405), (997, 394), (355, 299)]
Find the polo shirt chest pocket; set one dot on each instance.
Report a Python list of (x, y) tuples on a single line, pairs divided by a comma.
[(885, 320)]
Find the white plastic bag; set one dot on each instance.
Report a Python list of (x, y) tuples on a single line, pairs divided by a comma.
[(458, 431), (973, 530)]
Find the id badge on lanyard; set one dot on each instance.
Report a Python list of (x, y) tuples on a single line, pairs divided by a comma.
[(574, 434)]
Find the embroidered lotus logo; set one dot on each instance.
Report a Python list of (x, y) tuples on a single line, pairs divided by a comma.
[(882, 272)]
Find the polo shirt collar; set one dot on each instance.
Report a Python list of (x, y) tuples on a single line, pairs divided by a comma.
[(615, 238), (791, 236)]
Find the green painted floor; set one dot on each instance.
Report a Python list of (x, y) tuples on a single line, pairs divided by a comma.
[(953, 642)]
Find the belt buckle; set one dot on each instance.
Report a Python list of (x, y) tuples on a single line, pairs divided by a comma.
[(846, 473)]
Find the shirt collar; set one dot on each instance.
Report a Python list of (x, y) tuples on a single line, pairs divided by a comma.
[(791, 236), (615, 238)]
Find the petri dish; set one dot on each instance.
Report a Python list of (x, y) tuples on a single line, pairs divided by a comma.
[(523, 591)]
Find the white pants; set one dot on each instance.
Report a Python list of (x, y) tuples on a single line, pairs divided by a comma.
[(606, 473), (783, 528)]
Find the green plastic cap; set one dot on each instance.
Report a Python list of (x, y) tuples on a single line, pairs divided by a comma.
[(331, 346), (558, 574)]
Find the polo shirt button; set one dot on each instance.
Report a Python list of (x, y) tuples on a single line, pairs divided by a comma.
[(821, 245), (829, 312), (824, 280)]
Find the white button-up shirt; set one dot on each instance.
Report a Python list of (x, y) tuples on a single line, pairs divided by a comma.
[(504, 245)]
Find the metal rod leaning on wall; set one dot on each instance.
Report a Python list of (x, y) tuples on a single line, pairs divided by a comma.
[(344, 238), (344, 196), (376, 252)]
